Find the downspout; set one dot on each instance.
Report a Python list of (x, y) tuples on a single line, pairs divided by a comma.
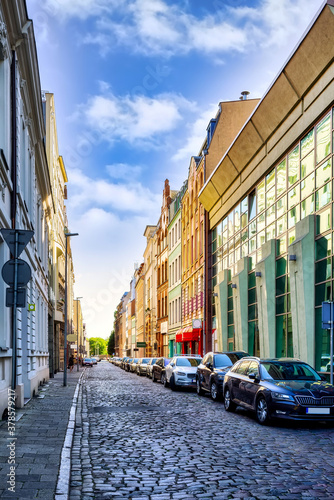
[(205, 343), (13, 201)]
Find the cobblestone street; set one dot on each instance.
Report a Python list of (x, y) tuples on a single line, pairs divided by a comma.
[(137, 439)]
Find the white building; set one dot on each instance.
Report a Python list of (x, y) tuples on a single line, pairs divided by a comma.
[(25, 202)]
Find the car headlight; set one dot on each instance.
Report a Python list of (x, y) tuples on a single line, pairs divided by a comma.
[(282, 397), (180, 374)]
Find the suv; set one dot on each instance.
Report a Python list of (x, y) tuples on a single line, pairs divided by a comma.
[(181, 372), (211, 371)]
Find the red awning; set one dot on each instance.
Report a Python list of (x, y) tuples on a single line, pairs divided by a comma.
[(188, 334)]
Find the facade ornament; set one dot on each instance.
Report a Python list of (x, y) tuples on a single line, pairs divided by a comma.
[(3, 41)]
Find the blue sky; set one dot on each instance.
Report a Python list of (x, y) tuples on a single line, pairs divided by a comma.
[(136, 83)]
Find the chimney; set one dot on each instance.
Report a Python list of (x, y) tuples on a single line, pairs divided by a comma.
[(244, 95)]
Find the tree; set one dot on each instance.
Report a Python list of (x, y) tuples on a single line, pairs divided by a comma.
[(97, 345), (111, 344)]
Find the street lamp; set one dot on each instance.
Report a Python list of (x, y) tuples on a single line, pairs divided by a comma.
[(77, 299), (67, 235)]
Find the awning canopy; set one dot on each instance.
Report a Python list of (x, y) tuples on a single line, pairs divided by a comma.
[(188, 334)]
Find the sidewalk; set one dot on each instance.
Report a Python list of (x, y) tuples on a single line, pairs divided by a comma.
[(36, 446)]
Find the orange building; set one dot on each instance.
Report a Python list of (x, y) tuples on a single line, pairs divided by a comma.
[(162, 272), (190, 337)]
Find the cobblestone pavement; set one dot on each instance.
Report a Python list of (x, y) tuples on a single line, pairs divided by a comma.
[(37, 441), (139, 440)]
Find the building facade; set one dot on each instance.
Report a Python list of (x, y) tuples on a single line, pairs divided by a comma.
[(175, 272), (25, 203), (270, 205), (150, 298)]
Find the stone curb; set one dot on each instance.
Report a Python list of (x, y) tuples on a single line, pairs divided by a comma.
[(63, 482)]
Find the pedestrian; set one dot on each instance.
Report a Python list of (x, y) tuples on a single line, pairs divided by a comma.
[(71, 362)]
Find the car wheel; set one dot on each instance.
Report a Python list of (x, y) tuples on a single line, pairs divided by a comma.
[(228, 403), (172, 383), (214, 391), (262, 412), (199, 389)]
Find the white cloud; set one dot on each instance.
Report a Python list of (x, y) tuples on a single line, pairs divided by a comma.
[(131, 197), (134, 119), (124, 171), (80, 8)]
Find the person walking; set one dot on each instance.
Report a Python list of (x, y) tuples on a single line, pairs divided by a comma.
[(71, 362)]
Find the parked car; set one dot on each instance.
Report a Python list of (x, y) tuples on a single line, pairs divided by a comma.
[(278, 388), (94, 361), (142, 366), (87, 362), (124, 361), (127, 364), (150, 367), (158, 368), (133, 365), (181, 372), (211, 371)]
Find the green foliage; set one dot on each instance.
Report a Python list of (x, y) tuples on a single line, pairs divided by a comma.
[(111, 344), (97, 346)]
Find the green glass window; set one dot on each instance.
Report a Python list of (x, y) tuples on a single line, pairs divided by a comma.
[(281, 285), (281, 225), (323, 139), (270, 180), (270, 215), (252, 312), (270, 196), (307, 165), (281, 266), (323, 270), (293, 196), (323, 247), (323, 173), (252, 296), (324, 221), (281, 206), (323, 196), (293, 166), (291, 236), (214, 246), (293, 216), (261, 222), (323, 292), (251, 280), (281, 178), (281, 245), (261, 203), (307, 206), (237, 218), (283, 304), (307, 186), (307, 144), (270, 232), (252, 228), (230, 304), (230, 330)]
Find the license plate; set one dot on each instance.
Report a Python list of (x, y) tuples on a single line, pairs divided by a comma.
[(193, 380), (318, 411)]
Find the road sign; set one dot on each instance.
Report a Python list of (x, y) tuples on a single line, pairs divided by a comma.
[(23, 272), (23, 238), (20, 297), (141, 344), (327, 315)]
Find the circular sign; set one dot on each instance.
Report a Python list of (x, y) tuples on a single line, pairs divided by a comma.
[(23, 272)]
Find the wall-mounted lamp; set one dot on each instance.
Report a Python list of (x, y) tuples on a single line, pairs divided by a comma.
[(258, 274), (215, 294), (234, 285), (293, 257)]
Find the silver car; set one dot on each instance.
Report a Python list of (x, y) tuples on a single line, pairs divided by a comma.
[(141, 367), (181, 372)]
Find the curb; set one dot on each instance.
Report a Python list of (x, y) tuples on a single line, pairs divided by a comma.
[(63, 481)]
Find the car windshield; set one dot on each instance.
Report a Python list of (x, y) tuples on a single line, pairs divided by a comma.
[(135, 361), (166, 361), (145, 361), (276, 370), (188, 361), (225, 360)]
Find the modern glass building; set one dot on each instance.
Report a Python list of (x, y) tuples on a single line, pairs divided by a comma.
[(271, 212)]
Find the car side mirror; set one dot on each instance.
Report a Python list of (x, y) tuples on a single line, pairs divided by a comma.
[(172, 364), (209, 365), (253, 376)]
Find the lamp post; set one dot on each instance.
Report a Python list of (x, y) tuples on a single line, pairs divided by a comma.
[(77, 300), (67, 235)]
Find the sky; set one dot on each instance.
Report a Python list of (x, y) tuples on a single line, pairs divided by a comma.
[(136, 83)]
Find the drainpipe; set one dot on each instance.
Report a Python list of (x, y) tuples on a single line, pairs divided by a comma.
[(13, 198)]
